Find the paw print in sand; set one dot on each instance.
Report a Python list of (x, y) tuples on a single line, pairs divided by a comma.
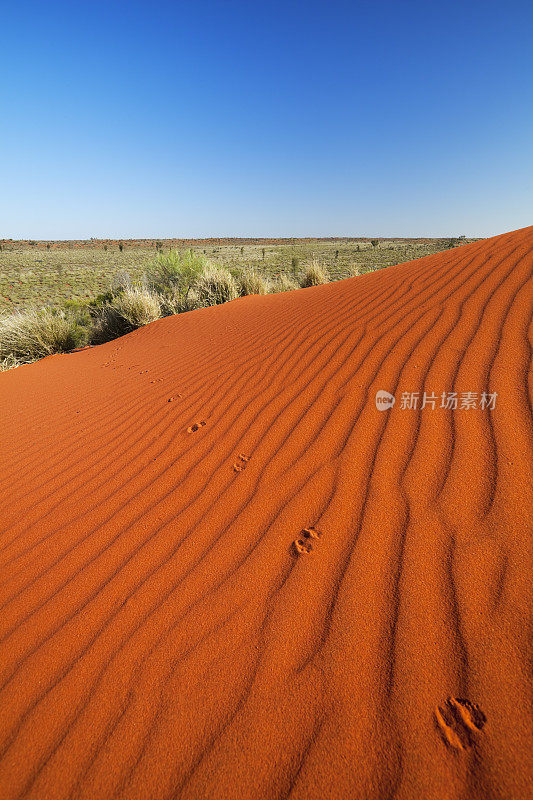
[(303, 544), (458, 721), (240, 465), (173, 399), (196, 426)]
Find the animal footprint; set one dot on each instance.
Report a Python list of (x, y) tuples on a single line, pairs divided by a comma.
[(311, 533), (172, 399), (240, 465), (457, 720), (196, 426), (471, 715), (157, 380), (303, 543), (302, 546)]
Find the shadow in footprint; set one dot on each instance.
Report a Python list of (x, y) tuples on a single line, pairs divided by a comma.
[(302, 546), (196, 426), (240, 465), (458, 721)]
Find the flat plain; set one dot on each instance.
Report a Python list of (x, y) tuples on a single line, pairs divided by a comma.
[(52, 273)]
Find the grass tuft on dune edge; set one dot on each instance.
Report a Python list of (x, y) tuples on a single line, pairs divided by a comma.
[(314, 274), (174, 282), (28, 335), (132, 308)]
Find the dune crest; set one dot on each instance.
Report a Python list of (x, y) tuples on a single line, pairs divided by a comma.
[(278, 548)]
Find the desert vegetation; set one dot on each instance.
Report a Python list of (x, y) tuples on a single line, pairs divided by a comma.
[(31, 334), (53, 273), (118, 289), (314, 274), (173, 282)]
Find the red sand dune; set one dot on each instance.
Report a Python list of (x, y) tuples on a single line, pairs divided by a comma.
[(161, 636)]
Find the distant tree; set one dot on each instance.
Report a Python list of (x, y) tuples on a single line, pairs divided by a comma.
[(242, 251), (121, 247), (105, 247), (455, 240), (263, 251), (336, 254)]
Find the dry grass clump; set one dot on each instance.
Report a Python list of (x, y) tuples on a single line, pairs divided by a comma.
[(284, 283), (250, 281), (313, 274), (215, 285), (177, 302), (131, 309), (28, 335), (9, 362)]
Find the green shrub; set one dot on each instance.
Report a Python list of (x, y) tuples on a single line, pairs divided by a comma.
[(250, 281), (175, 271), (101, 300), (34, 333), (80, 311), (215, 285), (129, 310), (313, 274)]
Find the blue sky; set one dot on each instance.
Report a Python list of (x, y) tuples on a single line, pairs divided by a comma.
[(227, 118)]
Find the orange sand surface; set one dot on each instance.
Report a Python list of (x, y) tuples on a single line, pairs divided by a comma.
[(169, 629)]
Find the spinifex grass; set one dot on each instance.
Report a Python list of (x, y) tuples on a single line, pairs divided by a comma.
[(32, 274)]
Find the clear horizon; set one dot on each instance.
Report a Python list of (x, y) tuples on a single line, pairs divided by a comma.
[(215, 238), (280, 120)]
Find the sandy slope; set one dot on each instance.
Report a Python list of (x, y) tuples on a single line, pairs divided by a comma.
[(159, 635)]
